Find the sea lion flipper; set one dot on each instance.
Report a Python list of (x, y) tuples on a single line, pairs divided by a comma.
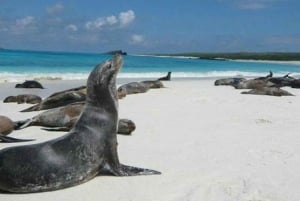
[(6, 139), (65, 128), (134, 171), (125, 170)]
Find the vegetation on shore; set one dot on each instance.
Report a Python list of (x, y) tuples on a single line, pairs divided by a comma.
[(275, 56)]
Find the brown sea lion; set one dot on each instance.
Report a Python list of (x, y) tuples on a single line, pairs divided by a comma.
[(64, 118), (271, 91), (23, 98), (6, 127)]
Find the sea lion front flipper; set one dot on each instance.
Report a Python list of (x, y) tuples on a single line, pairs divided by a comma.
[(134, 171), (6, 139), (125, 170), (66, 129)]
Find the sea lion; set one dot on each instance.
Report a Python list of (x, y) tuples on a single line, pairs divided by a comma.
[(253, 84), (271, 91), (89, 149), (63, 119), (6, 127), (133, 88), (81, 89), (166, 78), (57, 100), (295, 83), (229, 81), (30, 84), (153, 84), (23, 98), (284, 81)]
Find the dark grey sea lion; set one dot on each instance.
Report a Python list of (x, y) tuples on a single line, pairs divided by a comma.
[(282, 81), (271, 91), (265, 77), (64, 118), (23, 98), (89, 149), (6, 127), (295, 83), (228, 81), (166, 78), (60, 99), (153, 84), (30, 84), (133, 88)]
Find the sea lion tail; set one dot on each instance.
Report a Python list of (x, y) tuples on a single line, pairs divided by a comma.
[(6, 139), (22, 124)]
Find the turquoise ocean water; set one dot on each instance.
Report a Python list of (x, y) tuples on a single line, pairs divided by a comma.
[(20, 65)]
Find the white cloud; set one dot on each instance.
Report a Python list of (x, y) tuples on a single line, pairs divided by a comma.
[(71, 27), (112, 20), (136, 39), (123, 20), (23, 22), (97, 24), (252, 4), (126, 17), (57, 8)]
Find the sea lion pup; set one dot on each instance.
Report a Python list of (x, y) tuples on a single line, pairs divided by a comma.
[(6, 127), (30, 84), (271, 91), (166, 78), (63, 119), (89, 149), (57, 100), (23, 98)]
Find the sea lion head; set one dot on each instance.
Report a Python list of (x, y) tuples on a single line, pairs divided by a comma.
[(101, 83)]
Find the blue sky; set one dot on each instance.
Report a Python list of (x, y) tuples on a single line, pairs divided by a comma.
[(151, 26)]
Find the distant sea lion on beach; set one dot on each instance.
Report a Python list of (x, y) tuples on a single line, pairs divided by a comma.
[(88, 150), (295, 83), (253, 84), (30, 84), (23, 98), (153, 84), (64, 118), (271, 91), (133, 88), (57, 100), (228, 81), (166, 78)]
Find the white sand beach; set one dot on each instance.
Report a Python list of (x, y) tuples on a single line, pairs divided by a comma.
[(211, 143)]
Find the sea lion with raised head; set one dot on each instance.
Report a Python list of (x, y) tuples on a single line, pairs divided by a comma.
[(166, 78), (89, 149)]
